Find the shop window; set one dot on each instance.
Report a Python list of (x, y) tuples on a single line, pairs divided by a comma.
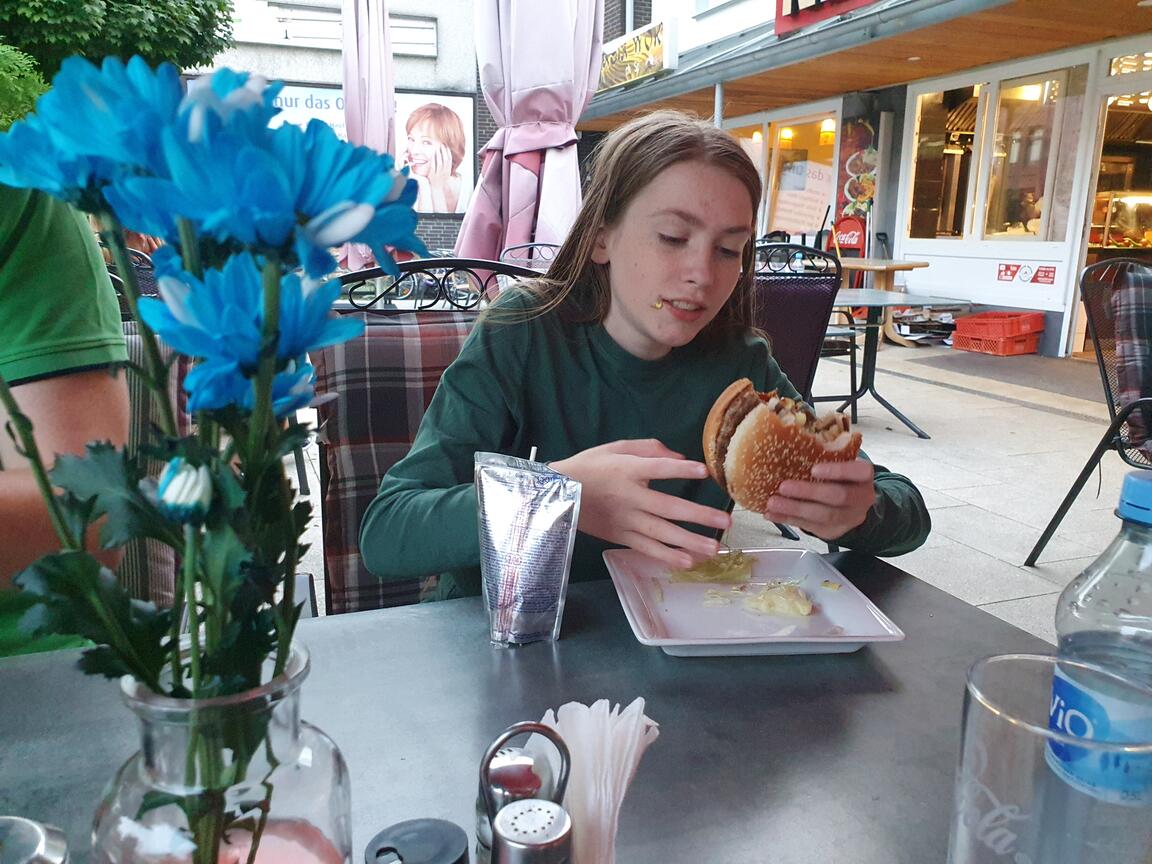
[(945, 133), (1129, 64), (1033, 154), (803, 177)]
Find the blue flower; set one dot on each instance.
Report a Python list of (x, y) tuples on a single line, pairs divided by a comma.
[(306, 322), (185, 491), (235, 102), (292, 193), (220, 383), (222, 317), (95, 124)]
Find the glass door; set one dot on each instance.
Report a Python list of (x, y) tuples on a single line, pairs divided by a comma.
[(751, 138), (802, 180)]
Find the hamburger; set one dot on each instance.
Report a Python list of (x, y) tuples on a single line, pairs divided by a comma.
[(754, 441)]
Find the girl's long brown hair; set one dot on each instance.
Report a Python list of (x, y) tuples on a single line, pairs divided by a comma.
[(627, 160)]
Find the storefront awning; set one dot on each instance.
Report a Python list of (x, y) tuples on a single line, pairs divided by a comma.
[(868, 49)]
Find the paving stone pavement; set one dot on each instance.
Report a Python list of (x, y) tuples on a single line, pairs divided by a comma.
[(1000, 459)]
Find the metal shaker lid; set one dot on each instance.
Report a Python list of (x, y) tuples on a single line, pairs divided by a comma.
[(419, 841), (23, 841), (513, 773), (532, 831)]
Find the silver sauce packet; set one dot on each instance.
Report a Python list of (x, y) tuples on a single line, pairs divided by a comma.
[(528, 515)]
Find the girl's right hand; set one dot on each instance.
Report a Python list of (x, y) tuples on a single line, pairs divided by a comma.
[(616, 504)]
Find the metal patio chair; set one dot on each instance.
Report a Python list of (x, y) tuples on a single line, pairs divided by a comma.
[(1117, 297), (537, 256), (380, 385)]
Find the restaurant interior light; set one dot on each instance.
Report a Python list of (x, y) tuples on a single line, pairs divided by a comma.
[(786, 134), (757, 136), (827, 132)]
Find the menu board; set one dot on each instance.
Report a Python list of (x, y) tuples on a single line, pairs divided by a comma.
[(856, 178)]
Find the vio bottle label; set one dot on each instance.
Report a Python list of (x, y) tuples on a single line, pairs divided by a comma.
[(1109, 775)]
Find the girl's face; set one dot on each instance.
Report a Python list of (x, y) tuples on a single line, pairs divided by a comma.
[(422, 146), (674, 257)]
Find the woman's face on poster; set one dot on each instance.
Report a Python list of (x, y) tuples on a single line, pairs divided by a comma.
[(422, 145)]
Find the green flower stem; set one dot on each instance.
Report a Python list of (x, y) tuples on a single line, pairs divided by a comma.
[(286, 614), (190, 247), (191, 547), (157, 378), (266, 371), (174, 636), (21, 426)]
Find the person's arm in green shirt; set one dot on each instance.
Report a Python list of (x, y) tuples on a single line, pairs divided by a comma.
[(423, 520)]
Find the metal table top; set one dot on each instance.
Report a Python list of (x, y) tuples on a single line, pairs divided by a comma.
[(874, 297), (793, 759)]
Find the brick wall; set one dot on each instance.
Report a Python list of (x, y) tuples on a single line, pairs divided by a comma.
[(440, 230), (613, 19)]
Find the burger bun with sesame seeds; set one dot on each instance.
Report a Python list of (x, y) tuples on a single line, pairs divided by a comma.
[(754, 441)]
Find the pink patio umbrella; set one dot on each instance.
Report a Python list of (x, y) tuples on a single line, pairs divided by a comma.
[(539, 67), (369, 90)]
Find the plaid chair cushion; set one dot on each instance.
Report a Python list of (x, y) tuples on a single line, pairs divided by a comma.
[(383, 382), (148, 568), (1132, 322)]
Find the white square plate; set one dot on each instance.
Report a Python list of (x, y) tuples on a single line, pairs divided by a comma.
[(675, 616)]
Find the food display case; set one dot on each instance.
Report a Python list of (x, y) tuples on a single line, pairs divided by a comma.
[(1121, 225)]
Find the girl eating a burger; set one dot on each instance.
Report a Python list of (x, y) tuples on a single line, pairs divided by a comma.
[(609, 365)]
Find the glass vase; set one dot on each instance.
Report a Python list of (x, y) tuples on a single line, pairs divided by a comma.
[(231, 780)]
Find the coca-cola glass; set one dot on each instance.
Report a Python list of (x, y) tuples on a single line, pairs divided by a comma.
[(1055, 765)]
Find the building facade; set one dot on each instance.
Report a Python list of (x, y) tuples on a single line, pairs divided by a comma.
[(1000, 140)]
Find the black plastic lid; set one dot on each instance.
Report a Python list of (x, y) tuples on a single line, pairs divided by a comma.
[(419, 841)]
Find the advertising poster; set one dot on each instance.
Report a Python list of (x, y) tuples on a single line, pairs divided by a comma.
[(436, 139), (856, 177)]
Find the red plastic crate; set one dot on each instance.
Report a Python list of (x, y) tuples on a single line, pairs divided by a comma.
[(1001, 346), (989, 325)]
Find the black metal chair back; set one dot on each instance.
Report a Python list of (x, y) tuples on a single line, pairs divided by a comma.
[(430, 283), (1117, 297), (538, 256), (795, 290)]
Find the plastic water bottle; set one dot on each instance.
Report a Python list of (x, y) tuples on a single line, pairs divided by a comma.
[(1104, 615)]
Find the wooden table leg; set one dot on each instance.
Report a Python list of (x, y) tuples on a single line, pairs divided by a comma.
[(885, 280)]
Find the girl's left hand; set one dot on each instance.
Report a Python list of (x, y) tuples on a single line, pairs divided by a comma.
[(829, 508)]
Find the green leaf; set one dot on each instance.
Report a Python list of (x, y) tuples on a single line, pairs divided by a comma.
[(109, 476), (79, 597), (156, 800)]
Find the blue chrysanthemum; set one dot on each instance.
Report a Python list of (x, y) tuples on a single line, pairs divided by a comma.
[(95, 125), (217, 384), (222, 316), (293, 193), (185, 491)]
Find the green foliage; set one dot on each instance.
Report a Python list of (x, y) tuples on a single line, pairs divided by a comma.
[(79, 596), (20, 84), (109, 480), (183, 32)]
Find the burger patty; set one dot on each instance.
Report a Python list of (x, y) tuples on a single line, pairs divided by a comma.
[(737, 411)]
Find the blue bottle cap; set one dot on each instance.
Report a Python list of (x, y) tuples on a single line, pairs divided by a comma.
[(1136, 498)]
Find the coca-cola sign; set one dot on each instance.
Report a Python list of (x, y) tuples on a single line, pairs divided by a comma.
[(848, 238), (792, 15)]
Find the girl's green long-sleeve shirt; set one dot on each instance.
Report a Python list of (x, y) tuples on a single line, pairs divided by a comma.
[(564, 387)]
